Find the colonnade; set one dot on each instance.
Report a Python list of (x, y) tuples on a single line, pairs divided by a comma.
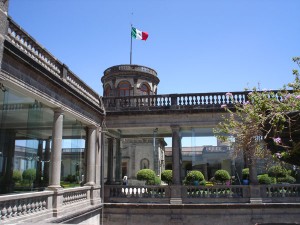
[(114, 152), (93, 153)]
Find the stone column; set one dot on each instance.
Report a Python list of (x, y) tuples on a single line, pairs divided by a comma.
[(176, 159), (98, 156), (56, 152), (176, 197), (118, 161), (110, 160), (46, 163), (39, 168), (91, 161)]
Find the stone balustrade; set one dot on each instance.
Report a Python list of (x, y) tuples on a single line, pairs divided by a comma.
[(20, 205), (74, 195), (202, 101), (173, 101), (19, 38), (25, 206), (129, 68), (202, 194)]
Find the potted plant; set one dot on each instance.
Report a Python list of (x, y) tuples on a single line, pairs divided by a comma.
[(245, 176), (194, 177), (222, 176)]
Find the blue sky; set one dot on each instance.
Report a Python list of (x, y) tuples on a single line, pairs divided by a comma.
[(194, 45)]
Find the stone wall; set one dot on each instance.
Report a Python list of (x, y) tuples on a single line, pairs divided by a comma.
[(200, 214)]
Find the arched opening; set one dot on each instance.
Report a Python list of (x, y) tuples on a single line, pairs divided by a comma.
[(107, 90), (145, 89), (124, 88)]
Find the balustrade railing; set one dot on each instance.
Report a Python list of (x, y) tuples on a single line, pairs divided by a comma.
[(173, 101), (138, 191), (218, 191), (202, 194), (28, 45), (281, 191), (73, 195), (14, 206)]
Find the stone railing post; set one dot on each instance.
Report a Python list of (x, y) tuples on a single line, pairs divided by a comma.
[(255, 194)]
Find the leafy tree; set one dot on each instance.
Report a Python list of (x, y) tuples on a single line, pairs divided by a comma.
[(266, 120), (17, 175), (167, 176), (146, 174), (29, 174)]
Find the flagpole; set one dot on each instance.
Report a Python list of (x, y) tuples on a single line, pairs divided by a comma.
[(130, 45)]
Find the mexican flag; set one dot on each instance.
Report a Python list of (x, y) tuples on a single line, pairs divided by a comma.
[(137, 34)]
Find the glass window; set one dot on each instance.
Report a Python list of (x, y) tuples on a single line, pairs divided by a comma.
[(145, 90), (124, 88), (107, 91)]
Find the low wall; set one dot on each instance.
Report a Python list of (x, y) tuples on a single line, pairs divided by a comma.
[(201, 214)]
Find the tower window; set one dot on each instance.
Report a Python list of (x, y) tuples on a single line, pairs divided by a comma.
[(145, 90), (107, 90), (124, 88)]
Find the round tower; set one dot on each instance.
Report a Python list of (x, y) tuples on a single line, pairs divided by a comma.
[(129, 80)]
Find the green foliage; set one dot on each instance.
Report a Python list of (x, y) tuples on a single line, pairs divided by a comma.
[(29, 174), (203, 183), (245, 173), (70, 178), (267, 122), (146, 174), (222, 176), (287, 179), (277, 171), (264, 179), (156, 181), (192, 176), (17, 175), (167, 176)]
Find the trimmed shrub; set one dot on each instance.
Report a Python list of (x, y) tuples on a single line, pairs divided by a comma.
[(166, 176), (17, 175), (193, 176), (277, 171), (29, 174), (264, 179), (287, 179), (146, 174), (222, 176), (156, 181), (245, 173)]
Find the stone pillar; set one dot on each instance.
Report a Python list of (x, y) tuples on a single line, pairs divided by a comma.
[(110, 160), (91, 161), (98, 156), (176, 159), (3, 26), (135, 90), (39, 168), (176, 197), (56, 152), (118, 161), (47, 163)]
